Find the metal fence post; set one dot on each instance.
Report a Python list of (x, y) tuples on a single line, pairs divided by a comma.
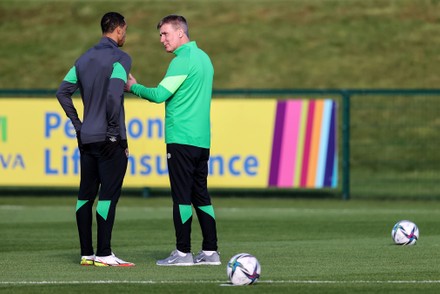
[(345, 144)]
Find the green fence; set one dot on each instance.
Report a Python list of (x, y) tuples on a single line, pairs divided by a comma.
[(393, 144), (388, 138)]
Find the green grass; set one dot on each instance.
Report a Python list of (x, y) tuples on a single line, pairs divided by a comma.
[(304, 246), (253, 43)]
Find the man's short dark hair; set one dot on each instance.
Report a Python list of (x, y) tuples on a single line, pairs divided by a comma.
[(110, 21), (177, 21)]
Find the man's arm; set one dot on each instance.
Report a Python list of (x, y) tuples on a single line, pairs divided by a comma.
[(174, 78), (157, 95), (64, 95), (115, 94)]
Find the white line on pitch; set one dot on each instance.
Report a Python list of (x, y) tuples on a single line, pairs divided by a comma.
[(216, 282)]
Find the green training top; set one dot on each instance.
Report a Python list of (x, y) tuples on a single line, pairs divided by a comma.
[(186, 90)]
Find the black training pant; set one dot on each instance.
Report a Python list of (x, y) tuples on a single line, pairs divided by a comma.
[(105, 175), (188, 172)]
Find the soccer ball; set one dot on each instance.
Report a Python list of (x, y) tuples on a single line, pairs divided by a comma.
[(405, 232), (243, 269)]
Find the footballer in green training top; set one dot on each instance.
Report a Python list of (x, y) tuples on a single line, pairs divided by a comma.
[(186, 90)]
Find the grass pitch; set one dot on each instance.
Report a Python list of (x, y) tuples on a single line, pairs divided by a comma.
[(304, 246)]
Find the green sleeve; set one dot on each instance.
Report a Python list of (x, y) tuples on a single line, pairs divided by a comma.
[(176, 74), (157, 95), (119, 72), (71, 76)]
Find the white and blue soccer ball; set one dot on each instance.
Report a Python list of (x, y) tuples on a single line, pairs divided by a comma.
[(243, 269), (405, 232)]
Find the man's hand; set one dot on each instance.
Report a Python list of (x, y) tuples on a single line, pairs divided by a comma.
[(112, 143), (130, 82), (80, 144)]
